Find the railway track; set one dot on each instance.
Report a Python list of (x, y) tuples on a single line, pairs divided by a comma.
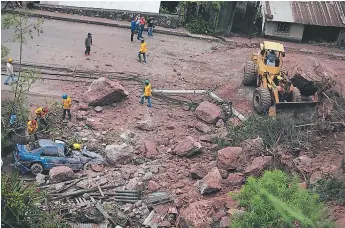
[(66, 74)]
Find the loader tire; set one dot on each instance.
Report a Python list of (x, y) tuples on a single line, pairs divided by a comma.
[(250, 74), (262, 100), (296, 95)]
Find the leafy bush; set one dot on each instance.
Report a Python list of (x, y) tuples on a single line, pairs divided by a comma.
[(331, 188), (18, 206), (275, 200), (200, 27), (279, 131)]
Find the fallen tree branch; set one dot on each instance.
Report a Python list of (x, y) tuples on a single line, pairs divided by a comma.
[(313, 124)]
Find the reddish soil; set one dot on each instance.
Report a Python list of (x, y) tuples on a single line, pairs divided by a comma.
[(173, 63)]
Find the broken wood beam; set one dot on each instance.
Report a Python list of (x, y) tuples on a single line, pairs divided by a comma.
[(100, 190), (76, 193), (103, 212)]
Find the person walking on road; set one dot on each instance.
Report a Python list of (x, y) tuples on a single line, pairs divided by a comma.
[(141, 28), (147, 94), (137, 21), (67, 104), (142, 51), (133, 28), (150, 26), (10, 73), (88, 43)]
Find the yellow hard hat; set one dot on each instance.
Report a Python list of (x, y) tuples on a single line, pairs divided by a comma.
[(76, 146), (10, 60)]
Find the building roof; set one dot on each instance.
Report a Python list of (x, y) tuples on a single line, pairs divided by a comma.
[(329, 13), (273, 46)]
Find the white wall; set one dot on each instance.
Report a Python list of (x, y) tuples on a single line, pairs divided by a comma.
[(141, 6), (296, 31)]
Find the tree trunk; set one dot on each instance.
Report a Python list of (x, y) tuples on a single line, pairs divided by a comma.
[(226, 17)]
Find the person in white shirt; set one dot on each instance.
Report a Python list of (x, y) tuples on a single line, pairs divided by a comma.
[(10, 72)]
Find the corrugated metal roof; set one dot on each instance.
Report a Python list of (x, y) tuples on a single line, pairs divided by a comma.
[(328, 13), (89, 225)]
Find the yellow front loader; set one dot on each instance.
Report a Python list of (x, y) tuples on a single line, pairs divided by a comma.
[(274, 92)]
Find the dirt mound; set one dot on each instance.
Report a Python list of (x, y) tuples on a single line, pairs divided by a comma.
[(310, 75)]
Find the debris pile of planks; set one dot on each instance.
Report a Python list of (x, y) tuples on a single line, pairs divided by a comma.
[(75, 201)]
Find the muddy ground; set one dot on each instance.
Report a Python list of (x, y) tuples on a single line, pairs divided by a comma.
[(173, 63)]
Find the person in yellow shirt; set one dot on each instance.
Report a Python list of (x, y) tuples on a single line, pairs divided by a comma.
[(147, 94), (32, 128), (41, 113), (143, 50), (67, 104)]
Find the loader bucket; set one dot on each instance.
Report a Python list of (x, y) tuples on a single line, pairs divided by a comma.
[(286, 107)]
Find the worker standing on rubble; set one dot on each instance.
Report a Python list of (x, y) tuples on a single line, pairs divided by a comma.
[(147, 94), (88, 43), (142, 51), (67, 104), (10, 72), (133, 28), (32, 128), (41, 114)]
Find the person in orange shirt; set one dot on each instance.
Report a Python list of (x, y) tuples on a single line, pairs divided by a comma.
[(67, 104)]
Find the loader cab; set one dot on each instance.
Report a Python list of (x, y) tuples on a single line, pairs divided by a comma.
[(271, 57)]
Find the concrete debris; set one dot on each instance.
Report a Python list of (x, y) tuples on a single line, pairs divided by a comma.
[(145, 125), (208, 112), (98, 109), (60, 173), (119, 154), (104, 91), (148, 176), (40, 179)]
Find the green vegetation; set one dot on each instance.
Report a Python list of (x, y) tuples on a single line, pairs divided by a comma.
[(275, 200), (280, 131), (331, 188), (19, 206), (200, 27)]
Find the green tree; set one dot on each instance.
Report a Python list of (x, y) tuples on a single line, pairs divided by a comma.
[(275, 201), (23, 28), (19, 206)]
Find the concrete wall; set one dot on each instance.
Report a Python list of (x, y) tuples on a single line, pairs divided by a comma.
[(164, 20), (141, 6), (296, 31)]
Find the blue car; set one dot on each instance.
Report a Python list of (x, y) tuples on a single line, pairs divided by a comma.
[(46, 154)]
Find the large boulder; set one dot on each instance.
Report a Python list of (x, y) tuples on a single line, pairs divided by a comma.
[(187, 147), (104, 92), (211, 182), (235, 179), (258, 165), (208, 112), (253, 146), (119, 154), (145, 125), (227, 157), (60, 174), (198, 171)]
